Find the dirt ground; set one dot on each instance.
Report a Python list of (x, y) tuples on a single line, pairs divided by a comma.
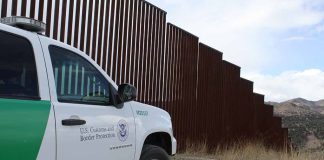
[(188, 157)]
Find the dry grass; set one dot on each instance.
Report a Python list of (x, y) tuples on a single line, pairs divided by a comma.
[(248, 151)]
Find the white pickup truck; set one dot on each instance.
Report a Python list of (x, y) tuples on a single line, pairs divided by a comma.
[(56, 103)]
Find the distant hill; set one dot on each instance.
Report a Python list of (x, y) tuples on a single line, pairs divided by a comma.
[(320, 103), (304, 120), (298, 106)]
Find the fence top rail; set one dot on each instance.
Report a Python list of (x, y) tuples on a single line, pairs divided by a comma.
[(231, 64), (258, 94), (246, 81), (149, 3), (211, 48), (172, 25)]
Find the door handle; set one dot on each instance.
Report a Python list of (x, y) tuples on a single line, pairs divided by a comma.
[(73, 122)]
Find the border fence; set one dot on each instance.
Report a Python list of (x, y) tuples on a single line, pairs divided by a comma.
[(131, 40)]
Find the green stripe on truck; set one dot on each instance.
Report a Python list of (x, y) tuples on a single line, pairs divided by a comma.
[(22, 128)]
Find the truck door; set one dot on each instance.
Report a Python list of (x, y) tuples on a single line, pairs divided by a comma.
[(88, 125), (26, 116)]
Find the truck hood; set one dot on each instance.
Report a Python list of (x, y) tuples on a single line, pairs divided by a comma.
[(141, 109)]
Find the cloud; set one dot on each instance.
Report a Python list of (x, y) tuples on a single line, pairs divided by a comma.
[(308, 84), (245, 30), (296, 38), (320, 28)]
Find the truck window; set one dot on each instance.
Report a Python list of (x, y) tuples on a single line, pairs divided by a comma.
[(18, 76), (77, 80)]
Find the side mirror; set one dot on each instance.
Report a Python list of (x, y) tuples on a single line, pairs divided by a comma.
[(126, 93)]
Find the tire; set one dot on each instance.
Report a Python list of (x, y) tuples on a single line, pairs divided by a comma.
[(151, 152)]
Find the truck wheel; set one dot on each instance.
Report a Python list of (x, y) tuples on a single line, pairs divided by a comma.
[(151, 152)]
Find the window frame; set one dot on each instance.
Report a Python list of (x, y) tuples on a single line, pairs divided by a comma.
[(111, 92), (20, 97)]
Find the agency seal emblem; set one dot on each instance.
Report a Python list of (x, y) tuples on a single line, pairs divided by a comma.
[(122, 130)]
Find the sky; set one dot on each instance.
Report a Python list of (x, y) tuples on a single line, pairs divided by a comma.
[(279, 44)]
